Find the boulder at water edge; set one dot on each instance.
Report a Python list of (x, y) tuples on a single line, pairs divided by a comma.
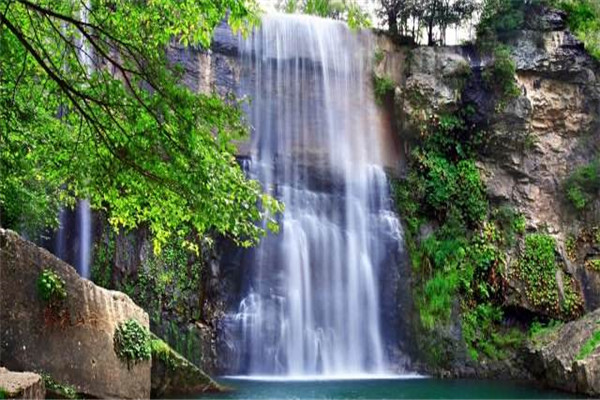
[(73, 343), (558, 358), (21, 385)]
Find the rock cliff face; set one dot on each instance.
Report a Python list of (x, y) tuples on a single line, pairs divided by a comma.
[(537, 140), (73, 344), (535, 143)]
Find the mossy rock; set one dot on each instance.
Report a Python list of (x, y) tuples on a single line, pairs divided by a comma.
[(173, 375)]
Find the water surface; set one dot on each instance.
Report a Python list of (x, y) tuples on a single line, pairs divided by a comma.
[(418, 388)]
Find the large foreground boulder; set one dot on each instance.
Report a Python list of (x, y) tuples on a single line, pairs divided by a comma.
[(568, 358), (70, 339), (21, 385)]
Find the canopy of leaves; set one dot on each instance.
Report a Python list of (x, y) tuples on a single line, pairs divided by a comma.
[(91, 108)]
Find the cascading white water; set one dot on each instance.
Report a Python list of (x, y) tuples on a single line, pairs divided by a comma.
[(312, 303), (84, 217)]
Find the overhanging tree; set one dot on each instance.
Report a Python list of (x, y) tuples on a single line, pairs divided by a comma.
[(125, 133)]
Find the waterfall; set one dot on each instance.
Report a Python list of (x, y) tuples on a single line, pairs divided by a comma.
[(84, 216), (311, 301)]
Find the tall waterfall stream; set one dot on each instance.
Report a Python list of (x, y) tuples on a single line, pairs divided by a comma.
[(312, 293)]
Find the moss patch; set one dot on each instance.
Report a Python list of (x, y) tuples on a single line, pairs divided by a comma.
[(57, 390), (172, 374), (590, 345), (537, 268)]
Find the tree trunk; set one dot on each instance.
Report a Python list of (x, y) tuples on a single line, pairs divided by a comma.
[(392, 22)]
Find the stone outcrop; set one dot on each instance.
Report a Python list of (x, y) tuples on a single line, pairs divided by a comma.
[(541, 137), (21, 385), (536, 141), (555, 358), (74, 344), (173, 375)]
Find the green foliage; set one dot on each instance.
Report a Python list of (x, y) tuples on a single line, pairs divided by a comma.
[(510, 222), (538, 330), (378, 55), (500, 20), (500, 77), (102, 265), (480, 329), (593, 264), (346, 10), (356, 17), (3, 393), (436, 300), (383, 87), (130, 137), (451, 189), (589, 346), (584, 22), (162, 351), (172, 282), (583, 184), (132, 342), (537, 269), (51, 288), (321, 8), (56, 389)]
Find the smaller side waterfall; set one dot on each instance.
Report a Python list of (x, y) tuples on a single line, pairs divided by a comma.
[(84, 216), (72, 241)]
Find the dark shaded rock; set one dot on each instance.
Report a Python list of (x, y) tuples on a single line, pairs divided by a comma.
[(173, 375), (21, 385), (72, 343), (553, 357), (546, 19)]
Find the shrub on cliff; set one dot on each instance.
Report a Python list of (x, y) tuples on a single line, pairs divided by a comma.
[(584, 21)]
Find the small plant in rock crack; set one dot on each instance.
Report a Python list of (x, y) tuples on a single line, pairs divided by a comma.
[(51, 288), (132, 342)]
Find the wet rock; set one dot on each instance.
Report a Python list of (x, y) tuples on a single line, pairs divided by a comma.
[(21, 385), (555, 357), (72, 342)]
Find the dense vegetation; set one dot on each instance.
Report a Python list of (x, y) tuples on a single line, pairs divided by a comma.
[(584, 22), (91, 108)]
